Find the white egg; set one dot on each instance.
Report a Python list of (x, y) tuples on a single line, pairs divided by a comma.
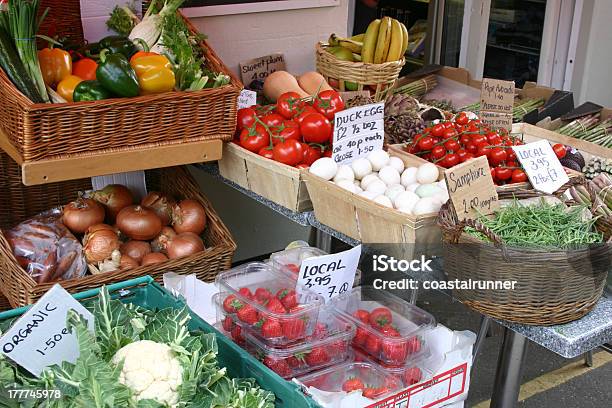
[(344, 173), (406, 199), (427, 173), (347, 185), (365, 182), (377, 186), (393, 191), (412, 187), (379, 159), (442, 197), (426, 205), (370, 195), (357, 183), (325, 167), (428, 190), (409, 176), (406, 210), (396, 163), (442, 185), (389, 175), (383, 200), (361, 167)]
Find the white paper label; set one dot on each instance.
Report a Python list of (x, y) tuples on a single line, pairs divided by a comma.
[(40, 338), (330, 275), (358, 131), (247, 99), (542, 166)]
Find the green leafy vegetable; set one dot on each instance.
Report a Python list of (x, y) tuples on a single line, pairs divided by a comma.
[(122, 20)]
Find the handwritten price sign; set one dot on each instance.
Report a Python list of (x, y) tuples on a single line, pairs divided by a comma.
[(358, 131), (542, 166)]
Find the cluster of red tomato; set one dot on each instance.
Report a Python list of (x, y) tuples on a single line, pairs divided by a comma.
[(293, 131), (455, 141)]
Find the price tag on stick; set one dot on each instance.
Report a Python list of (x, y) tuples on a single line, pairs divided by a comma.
[(471, 189), (247, 99), (542, 166), (40, 338), (330, 275), (358, 131)]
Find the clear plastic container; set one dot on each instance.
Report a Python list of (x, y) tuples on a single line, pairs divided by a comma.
[(373, 382), (232, 331), (330, 344), (413, 372), (388, 328), (290, 260), (257, 296)]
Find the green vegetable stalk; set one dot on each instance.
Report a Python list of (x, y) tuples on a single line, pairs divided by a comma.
[(122, 20)]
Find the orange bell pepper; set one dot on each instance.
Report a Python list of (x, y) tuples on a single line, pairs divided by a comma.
[(55, 65), (65, 88), (85, 68)]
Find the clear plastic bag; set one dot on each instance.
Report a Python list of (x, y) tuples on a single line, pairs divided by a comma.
[(46, 249)]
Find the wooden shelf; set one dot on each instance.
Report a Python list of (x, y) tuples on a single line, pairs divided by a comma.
[(62, 169)]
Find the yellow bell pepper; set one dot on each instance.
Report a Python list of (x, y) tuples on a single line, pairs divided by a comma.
[(65, 88), (154, 74)]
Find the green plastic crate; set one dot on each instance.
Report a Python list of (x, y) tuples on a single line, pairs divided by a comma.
[(146, 293)]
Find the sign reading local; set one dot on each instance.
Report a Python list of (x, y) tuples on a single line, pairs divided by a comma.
[(542, 166), (358, 131)]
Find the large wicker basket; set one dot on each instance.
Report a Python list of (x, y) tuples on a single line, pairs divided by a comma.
[(379, 78), (552, 287), (49, 131), (18, 202)]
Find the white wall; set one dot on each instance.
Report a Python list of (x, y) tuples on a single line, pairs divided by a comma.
[(591, 79), (240, 37)]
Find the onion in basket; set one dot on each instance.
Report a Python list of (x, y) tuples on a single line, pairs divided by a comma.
[(135, 249), (160, 203), (81, 214), (140, 223), (184, 244), (100, 242), (114, 198), (189, 216)]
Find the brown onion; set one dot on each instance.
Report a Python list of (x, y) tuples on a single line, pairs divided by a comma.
[(159, 242), (153, 258), (135, 249), (189, 216), (114, 198), (184, 244), (160, 203), (99, 227), (127, 262), (81, 214), (140, 223), (99, 243)]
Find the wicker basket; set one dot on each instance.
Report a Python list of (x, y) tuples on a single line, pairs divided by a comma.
[(18, 202), (381, 76), (4, 303), (553, 287), (49, 131), (604, 225)]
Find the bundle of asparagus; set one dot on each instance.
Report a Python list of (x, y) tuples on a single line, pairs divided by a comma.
[(602, 186), (591, 129), (596, 166), (418, 88)]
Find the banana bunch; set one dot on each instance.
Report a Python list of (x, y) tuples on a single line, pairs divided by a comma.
[(385, 40)]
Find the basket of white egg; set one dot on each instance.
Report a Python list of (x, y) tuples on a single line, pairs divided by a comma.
[(381, 198)]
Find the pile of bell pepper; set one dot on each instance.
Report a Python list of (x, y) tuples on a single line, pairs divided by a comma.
[(113, 67)]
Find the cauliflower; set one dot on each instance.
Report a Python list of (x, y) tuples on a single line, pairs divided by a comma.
[(151, 371)]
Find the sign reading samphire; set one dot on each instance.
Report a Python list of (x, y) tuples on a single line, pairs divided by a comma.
[(542, 166), (496, 103), (358, 131), (471, 188)]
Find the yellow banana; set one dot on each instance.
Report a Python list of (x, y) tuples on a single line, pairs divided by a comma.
[(405, 38), (358, 37), (354, 46), (383, 41), (369, 42), (395, 47), (357, 57)]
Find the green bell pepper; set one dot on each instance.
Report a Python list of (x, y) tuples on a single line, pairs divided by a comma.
[(118, 44), (90, 91), (116, 75)]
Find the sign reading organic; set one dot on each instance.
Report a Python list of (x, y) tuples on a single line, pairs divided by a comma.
[(358, 131), (542, 166), (496, 103), (471, 188)]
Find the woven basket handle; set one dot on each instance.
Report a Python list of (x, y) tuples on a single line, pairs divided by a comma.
[(458, 229)]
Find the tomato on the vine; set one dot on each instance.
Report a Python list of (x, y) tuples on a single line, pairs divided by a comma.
[(289, 104), (316, 128), (272, 120), (450, 160), (503, 173), (438, 152), (426, 143), (462, 154), (462, 118), (438, 130), (254, 138), (560, 150), (266, 152), (497, 155), (471, 147), (519, 176), (452, 145), (494, 139), (245, 118), (288, 152), (328, 103), (479, 139), (303, 112), (311, 154), (328, 152), (288, 130), (483, 150), (450, 133)]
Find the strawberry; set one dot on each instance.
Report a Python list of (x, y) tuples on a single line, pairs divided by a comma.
[(374, 392), (262, 294), (317, 357), (389, 331), (231, 304), (288, 298), (228, 324), (380, 317), (337, 348), (352, 384), (372, 344), (293, 269), (412, 376), (414, 345), (320, 331), (394, 351), (362, 315), (280, 367), (361, 336), (246, 292), (294, 329), (296, 360), (248, 314), (271, 328), (237, 334), (275, 306)]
